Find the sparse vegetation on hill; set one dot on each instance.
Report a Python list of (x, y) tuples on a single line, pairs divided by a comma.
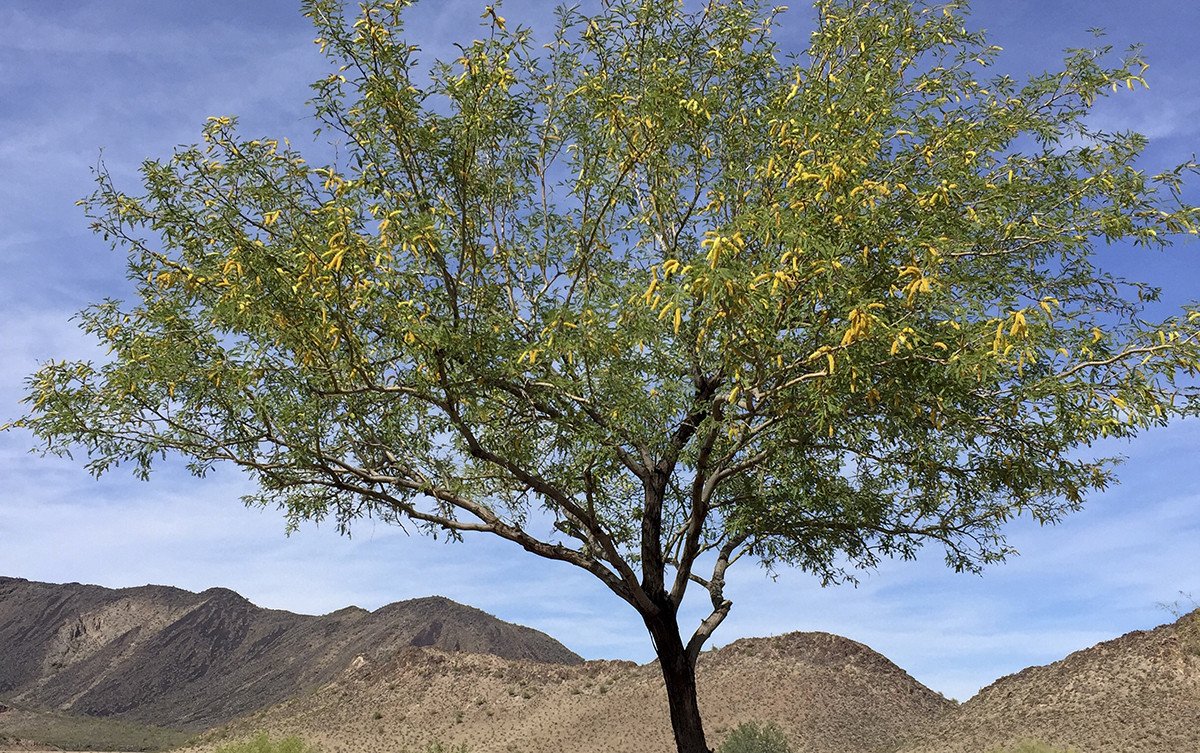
[(826, 694), (1139, 693), (24, 728), (262, 743)]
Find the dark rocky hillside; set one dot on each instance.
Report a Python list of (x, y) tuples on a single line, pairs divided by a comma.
[(174, 658)]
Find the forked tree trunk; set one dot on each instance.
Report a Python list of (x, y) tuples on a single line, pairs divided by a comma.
[(679, 675)]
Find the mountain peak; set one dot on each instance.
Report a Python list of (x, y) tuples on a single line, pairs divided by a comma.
[(218, 593), (172, 657)]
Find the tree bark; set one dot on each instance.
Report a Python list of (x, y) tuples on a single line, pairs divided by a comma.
[(679, 676)]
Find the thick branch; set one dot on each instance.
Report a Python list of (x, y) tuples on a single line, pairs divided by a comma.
[(655, 486), (544, 488), (492, 523), (716, 590), (703, 486)]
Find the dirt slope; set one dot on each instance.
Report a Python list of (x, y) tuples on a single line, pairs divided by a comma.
[(190, 661), (54, 730), (830, 694), (1139, 693)]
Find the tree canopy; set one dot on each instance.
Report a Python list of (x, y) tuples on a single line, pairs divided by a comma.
[(652, 296)]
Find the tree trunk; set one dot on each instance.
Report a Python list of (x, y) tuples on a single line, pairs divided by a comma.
[(679, 675)]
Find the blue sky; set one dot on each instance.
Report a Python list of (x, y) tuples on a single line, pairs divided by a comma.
[(136, 78)]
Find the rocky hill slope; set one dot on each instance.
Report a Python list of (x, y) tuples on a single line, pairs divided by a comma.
[(190, 661), (830, 694), (430, 670), (1139, 693)]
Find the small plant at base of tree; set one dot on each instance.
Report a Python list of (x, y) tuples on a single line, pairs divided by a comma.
[(439, 747), (752, 737), (1034, 747)]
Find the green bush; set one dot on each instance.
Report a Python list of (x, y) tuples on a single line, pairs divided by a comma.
[(261, 743), (437, 747), (752, 737), (1032, 747)]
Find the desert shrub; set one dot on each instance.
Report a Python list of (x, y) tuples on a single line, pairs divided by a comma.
[(438, 747), (1033, 747), (1184, 605), (261, 743), (752, 737)]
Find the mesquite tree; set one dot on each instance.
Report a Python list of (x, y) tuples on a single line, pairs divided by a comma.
[(650, 297)]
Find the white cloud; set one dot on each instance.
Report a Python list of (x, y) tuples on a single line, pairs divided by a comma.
[(1153, 115)]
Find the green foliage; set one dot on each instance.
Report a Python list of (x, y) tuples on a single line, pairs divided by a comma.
[(752, 737), (438, 747), (261, 743), (1033, 747)]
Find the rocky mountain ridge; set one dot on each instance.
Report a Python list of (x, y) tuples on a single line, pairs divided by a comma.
[(166, 656), (430, 670)]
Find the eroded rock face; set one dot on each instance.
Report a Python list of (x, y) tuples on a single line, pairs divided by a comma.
[(93, 631), (174, 658)]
